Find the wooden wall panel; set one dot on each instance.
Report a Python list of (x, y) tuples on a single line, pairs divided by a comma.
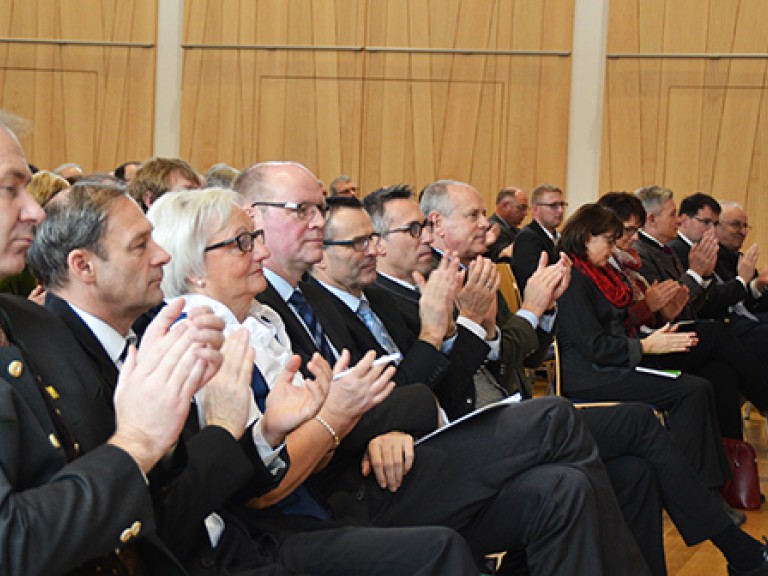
[(376, 105), (88, 104), (691, 123)]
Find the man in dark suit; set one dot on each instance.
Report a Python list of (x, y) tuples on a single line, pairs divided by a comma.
[(437, 481), (540, 235), (96, 254), (659, 262), (406, 249), (732, 263), (734, 288), (717, 342), (75, 483), (511, 209), (638, 453)]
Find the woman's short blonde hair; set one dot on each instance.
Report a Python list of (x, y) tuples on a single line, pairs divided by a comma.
[(183, 223)]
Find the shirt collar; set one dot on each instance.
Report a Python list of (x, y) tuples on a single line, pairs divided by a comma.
[(402, 283), (554, 237), (352, 302), (650, 238), (110, 339), (280, 284), (684, 238)]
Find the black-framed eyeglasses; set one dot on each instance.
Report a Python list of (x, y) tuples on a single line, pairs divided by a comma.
[(359, 244), (553, 205), (706, 221), (736, 225), (413, 228), (630, 230), (244, 241), (304, 210)]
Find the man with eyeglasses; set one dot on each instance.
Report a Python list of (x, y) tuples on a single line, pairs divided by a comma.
[(344, 186), (541, 235), (511, 210), (737, 293), (491, 490), (732, 263), (342, 286), (718, 341), (660, 262), (406, 252)]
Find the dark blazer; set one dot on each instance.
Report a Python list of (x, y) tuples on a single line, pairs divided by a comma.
[(594, 348), (529, 245), (81, 508), (185, 489), (727, 269), (720, 295), (421, 361), (456, 391), (409, 408), (301, 342), (519, 342), (507, 236), (658, 264)]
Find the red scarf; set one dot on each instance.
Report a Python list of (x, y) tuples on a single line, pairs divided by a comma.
[(607, 280)]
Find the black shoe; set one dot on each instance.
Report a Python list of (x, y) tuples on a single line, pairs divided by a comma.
[(761, 570)]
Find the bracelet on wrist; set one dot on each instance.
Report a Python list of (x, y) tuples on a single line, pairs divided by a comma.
[(330, 430)]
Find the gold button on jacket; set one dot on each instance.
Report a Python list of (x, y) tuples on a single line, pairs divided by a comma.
[(16, 368)]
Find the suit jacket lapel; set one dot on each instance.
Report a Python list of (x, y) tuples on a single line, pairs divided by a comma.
[(301, 342), (385, 308), (341, 325), (87, 340), (537, 228)]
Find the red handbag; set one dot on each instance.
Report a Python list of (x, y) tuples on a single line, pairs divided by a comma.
[(743, 489)]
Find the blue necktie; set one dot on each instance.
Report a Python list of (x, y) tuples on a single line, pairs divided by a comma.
[(376, 327), (316, 330), (300, 501)]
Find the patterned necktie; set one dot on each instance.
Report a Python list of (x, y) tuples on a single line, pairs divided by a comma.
[(301, 305), (376, 327)]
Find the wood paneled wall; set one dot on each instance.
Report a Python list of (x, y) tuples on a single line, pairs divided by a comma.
[(88, 104), (692, 124), (379, 91)]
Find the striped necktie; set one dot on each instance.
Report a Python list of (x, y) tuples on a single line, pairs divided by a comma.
[(376, 327), (301, 305)]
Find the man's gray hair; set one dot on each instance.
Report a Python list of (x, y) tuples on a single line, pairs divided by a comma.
[(730, 204), (184, 221), (78, 220), (435, 198), (15, 124), (653, 197), (333, 188)]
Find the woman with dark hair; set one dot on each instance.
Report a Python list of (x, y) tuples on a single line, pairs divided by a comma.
[(718, 356), (653, 304), (600, 361)]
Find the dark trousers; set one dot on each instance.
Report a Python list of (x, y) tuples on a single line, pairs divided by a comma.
[(691, 406), (523, 475), (347, 551), (733, 369), (633, 430)]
